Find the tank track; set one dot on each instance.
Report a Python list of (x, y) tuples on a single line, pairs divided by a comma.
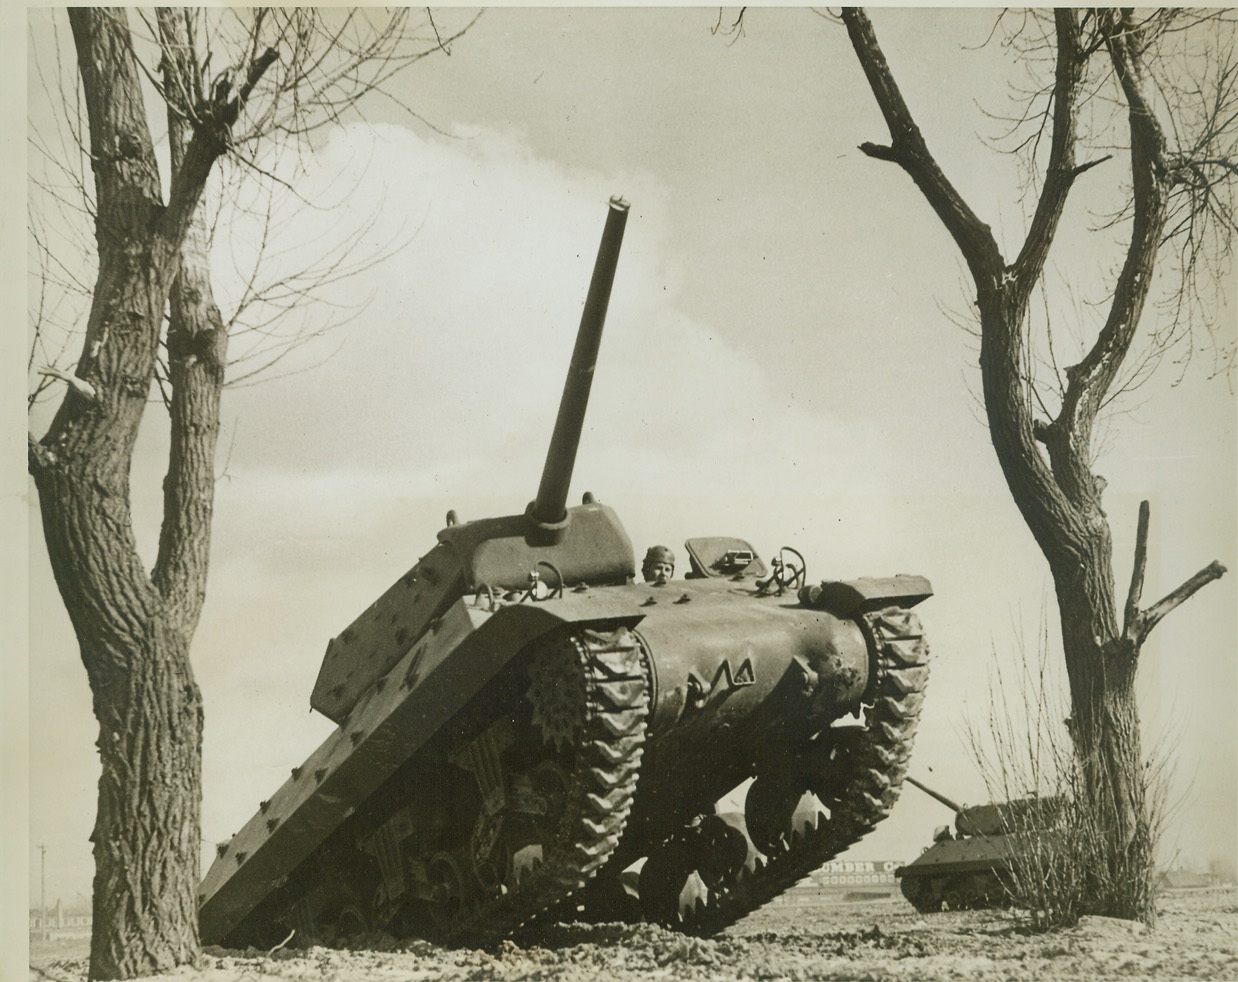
[(873, 767), (981, 890), (599, 794)]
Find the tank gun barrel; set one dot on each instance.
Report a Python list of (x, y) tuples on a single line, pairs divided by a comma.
[(551, 503), (952, 805)]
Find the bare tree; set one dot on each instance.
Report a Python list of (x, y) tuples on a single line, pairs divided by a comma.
[(230, 83), (1161, 102)]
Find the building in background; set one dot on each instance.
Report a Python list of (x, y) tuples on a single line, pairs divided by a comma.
[(61, 921), (845, 879)]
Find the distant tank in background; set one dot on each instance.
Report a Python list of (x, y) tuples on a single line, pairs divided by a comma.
[(972, 868)]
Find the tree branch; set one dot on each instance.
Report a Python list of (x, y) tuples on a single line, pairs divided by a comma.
[(1137, 624), (909, 150), (1083, 168), (1001, 296), (196, 343), (1089, 381), (1152, 616), (122, 152), (1130, 621), (210, 141), (880, 152), (1061, 172), (79, 386), (116, 360)]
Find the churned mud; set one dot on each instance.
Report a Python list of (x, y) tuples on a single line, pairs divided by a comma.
[(1196, 937)]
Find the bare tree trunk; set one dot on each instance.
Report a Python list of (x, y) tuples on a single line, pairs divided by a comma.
[(147, 832), (134, 630), (1047, 462), (146, 835), (1104, 721), (1061, 505)]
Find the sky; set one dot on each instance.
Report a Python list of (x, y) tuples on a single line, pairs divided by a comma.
[(780, 363)]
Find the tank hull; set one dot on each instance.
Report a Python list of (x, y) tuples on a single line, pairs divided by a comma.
[(979, 865), (733, 680), (967, 873)]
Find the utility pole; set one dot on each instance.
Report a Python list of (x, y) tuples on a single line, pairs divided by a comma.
[(43, 891)]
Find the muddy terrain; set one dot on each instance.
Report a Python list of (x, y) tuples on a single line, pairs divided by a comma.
[(1196, 937)]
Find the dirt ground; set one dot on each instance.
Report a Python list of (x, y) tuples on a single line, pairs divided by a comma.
[(1196, 937)]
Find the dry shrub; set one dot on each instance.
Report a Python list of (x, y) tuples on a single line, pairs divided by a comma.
[(1067, 860)]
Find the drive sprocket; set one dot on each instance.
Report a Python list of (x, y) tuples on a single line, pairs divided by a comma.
[(556, 693)]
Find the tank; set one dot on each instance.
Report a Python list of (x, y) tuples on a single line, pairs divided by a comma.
[(526, 730), (972, 868)]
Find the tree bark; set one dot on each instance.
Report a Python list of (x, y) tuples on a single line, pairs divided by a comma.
[(147, 832), (136, 653), (197, 355)]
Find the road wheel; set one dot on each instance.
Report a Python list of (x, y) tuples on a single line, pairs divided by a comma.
[(769, 810)]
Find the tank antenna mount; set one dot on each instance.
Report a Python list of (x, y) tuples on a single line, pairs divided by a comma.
[(549, 509)]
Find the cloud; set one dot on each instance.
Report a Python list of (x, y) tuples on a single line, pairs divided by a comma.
[(450, 379)]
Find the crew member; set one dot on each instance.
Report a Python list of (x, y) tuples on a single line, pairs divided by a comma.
[(659, 565)]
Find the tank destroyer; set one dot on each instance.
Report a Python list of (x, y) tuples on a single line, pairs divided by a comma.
[(521, 726), (974, 866)]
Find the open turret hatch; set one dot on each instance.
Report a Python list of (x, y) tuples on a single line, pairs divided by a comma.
[(722, 556)]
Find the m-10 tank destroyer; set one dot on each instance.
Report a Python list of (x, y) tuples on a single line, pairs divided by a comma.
[(974, 868), (520, 723)]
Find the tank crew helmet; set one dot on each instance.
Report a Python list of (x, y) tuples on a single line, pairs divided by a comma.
[(659, 564)]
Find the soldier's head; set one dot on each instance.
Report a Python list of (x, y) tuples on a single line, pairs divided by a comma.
[(659, 565)]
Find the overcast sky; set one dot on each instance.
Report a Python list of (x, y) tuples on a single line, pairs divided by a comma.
[(779, 364)]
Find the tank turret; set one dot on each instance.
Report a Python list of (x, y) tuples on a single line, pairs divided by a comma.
[(576, 545), (497, 704)]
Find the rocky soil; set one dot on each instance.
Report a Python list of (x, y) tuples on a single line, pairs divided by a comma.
[(1196, 937)]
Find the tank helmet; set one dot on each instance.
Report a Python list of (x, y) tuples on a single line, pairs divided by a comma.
[(656, 556), (659, 554)]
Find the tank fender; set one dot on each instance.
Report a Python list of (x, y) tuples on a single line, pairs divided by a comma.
[(850, 598)]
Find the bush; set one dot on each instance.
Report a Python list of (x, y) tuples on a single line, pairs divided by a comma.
[(1067, 857)]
